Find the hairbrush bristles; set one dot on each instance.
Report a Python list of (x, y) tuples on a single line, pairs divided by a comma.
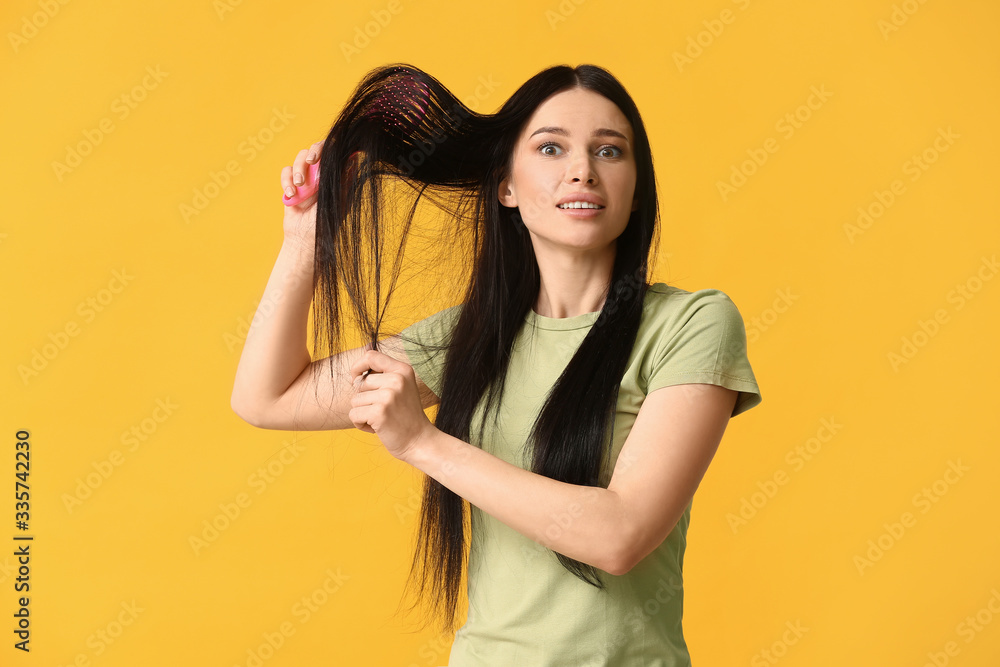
[(402, 102)]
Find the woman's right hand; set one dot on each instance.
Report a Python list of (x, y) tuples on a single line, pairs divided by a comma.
[(300, 219)]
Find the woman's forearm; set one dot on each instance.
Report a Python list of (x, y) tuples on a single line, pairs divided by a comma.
[(275, 352), (583, 522)]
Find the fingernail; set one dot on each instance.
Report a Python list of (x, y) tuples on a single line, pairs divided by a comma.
[(311, 156), (289, 191), (298, 180)]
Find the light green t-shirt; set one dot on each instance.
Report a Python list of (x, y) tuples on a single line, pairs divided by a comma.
[(525, 608)]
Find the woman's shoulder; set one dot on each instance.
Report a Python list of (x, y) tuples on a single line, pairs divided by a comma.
[(670, 311), (662, 297)]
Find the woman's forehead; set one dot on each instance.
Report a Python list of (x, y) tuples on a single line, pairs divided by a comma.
[(570, 115)]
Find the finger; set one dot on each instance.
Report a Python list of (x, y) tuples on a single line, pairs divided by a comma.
[(368, 380), (362, 363), (358, 380), (362, 399), (379, 362), (286, 181), (359, 416), (299, 168), (314, 152)]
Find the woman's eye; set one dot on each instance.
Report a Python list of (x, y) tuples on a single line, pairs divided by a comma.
[(548, 145), (543, 148)]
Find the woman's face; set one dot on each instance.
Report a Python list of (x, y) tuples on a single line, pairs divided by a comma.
[(576, 142)]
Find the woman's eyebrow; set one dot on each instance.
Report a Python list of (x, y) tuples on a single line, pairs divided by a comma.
[(599, 132)]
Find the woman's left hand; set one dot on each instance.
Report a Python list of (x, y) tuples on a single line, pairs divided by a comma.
[(387, 403)]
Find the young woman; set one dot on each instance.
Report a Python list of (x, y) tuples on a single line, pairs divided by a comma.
[(609, 395)]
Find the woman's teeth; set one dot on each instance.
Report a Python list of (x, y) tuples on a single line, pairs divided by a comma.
[(579, 204)]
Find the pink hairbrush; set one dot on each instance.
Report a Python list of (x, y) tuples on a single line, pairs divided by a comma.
[(305, 190), (403, 102)]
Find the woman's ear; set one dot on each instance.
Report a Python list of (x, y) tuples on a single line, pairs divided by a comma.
[(505, 195), (635, 203)]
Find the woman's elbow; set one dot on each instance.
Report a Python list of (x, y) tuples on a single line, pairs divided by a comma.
[(244, 412)]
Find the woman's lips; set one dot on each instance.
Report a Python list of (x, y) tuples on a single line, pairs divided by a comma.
[(581, 212)]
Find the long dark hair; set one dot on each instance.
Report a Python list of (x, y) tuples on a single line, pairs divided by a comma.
[(402, 124)]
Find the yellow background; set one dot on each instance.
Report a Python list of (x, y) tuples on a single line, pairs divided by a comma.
[(825, 311)]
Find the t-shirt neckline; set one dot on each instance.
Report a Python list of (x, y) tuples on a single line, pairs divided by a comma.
[(582, 321)]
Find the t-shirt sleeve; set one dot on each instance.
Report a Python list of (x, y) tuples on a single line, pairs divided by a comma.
[(421, 340), (707, 344)]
